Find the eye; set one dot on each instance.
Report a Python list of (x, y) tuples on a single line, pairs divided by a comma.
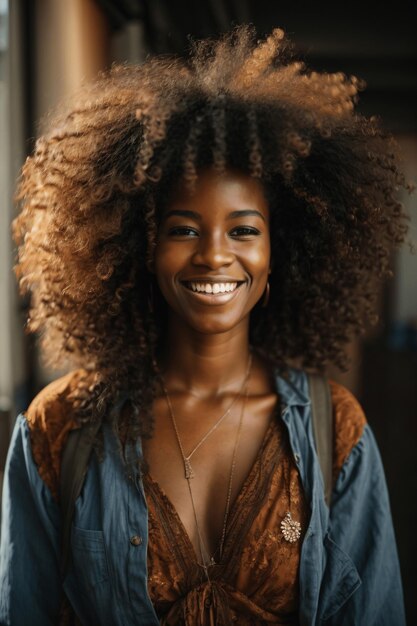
[(245, 231), (182, 231)]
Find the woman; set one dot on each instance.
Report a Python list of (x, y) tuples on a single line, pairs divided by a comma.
[(195, 234)]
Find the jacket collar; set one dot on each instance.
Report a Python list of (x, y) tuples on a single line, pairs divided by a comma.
[(293, 388)]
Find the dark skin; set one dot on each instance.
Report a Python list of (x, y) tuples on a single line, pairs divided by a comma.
[(220, 233)]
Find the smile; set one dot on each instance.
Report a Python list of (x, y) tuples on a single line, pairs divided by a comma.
[(211, 287), (212, 293)]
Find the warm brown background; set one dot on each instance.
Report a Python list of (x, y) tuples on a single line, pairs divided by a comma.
[(47, 47)]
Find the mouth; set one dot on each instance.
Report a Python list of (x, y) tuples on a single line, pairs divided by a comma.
[(213, 293), (211, 287)]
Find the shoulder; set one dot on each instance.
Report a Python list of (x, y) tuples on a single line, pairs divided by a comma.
[(349, 422), (50, 417), (51, 409)]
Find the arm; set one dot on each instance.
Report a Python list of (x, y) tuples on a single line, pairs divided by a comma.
[(30, 587), (361, 525)]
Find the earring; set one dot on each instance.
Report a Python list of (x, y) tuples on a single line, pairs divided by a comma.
[(266, 296)]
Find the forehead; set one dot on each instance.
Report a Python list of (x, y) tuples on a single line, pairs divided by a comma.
[(229, 190)]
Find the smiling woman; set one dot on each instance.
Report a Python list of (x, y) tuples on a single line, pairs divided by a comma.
[(187, 230)]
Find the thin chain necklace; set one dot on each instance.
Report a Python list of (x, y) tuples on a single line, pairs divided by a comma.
[(188, 470), (206, 563)]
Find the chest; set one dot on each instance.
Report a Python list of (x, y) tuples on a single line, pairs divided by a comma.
[(219, 465)]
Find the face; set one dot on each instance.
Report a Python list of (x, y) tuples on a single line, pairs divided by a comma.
[(213, 251)]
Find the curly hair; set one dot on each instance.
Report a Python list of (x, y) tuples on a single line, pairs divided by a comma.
[(93, 191)]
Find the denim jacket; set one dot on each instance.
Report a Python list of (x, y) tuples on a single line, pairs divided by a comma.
[(349, 570)]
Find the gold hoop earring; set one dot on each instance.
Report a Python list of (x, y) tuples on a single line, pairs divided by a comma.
[(266, 296)]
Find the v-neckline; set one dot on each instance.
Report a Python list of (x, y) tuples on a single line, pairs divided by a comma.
[(234, 508)]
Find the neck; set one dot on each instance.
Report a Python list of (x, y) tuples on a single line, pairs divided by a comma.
[(205, 365)]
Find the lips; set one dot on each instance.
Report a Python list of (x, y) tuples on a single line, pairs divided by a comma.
[(220, 297), (212, 287)]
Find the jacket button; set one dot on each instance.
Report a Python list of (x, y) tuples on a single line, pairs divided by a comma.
[(136, 540)]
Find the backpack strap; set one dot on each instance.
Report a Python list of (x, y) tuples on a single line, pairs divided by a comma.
[(74, 464), (322, 419)]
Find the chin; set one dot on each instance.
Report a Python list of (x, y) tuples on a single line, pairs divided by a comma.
[(213, 326)]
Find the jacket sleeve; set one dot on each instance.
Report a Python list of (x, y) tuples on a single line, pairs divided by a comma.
[(361, 527), (30, 585)]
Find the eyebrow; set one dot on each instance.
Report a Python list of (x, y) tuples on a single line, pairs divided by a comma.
[(245, 213), (197, 216)]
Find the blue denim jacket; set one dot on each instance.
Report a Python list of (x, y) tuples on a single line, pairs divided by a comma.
[(349, 570)]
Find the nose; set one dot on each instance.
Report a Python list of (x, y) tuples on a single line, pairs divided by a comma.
[(213, 251)]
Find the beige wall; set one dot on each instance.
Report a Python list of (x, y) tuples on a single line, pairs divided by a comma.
[(72, 43)]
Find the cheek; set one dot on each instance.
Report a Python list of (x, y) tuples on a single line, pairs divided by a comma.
[(257, 260), (169, 260)]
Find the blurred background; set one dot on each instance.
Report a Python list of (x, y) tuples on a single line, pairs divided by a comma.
[(48, 47)]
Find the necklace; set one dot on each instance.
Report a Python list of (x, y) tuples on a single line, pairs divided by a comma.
[(207, 562), (188, 470)]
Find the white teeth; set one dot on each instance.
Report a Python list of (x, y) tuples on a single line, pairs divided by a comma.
[(213, 287)]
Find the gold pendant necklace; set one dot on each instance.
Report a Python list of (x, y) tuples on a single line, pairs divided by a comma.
[(207, 559)]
